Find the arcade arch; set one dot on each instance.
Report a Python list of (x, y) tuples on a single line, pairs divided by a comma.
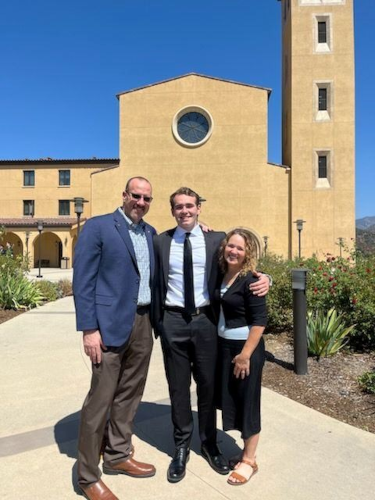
[(51, 250), (15, 241)]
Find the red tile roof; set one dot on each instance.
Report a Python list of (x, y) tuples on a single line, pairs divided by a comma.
[(33, 222)]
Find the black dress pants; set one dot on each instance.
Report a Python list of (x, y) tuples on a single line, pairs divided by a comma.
[(190, 347)]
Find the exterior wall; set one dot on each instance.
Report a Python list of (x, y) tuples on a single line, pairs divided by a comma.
[(107, 188), (46, 192), (329, 211), (57, 241), (230, 170)]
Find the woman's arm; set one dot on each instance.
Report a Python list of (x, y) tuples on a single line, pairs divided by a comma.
[(242, 361), (256, 312)]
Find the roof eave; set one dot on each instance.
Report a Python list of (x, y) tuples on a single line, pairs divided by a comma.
[(136, 89)]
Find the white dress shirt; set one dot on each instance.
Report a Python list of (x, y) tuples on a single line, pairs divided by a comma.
[(175, 290)]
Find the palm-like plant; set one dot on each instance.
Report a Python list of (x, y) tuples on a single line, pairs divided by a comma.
[(326, 332)]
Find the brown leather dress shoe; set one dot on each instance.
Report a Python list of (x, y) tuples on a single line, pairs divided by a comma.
[(98, 491), (131, 468)]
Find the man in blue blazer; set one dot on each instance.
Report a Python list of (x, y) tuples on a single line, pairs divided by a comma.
[(113, 270)]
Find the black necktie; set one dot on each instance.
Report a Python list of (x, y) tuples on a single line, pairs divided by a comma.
[(188, 276)]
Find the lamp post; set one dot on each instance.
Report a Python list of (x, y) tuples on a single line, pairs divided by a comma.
[(299, 223), (341, 244), (299, 320), (78, 209), (265, 239), (27, 237), (40, 229)]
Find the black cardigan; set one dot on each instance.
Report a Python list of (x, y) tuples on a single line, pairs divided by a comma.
[(241, 307)]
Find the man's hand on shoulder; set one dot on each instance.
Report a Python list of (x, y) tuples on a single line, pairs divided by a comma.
[(262, 286), (93, 345), (205, 228)]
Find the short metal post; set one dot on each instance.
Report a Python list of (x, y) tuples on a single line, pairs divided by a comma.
[(78, 224), (40, 229), (299, 320)]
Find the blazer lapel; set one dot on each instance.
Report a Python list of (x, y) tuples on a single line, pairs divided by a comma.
[(166, 250), (209, 255), (122, 228)]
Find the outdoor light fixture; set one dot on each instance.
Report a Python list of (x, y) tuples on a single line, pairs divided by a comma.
[(78, 209), (40, 229), (265, 239), (299, 223)]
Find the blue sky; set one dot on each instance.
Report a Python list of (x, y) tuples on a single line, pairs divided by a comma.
[(62, 64)]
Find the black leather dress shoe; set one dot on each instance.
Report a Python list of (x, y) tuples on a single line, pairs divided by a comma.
[(216, 459), (177, 468)]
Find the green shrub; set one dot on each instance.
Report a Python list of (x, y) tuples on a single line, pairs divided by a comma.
[(347, 284), (65, 288), (367, 382), (17, 292), (326, 333), (48, 289), (10, 265), (279, 298)]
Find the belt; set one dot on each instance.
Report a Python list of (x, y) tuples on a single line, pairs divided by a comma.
[(182, 310), (143, 309)]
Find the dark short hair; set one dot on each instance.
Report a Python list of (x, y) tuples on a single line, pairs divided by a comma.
[(187, 192), (139, 178)]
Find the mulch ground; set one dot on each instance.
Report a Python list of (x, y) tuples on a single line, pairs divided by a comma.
[(6, 314), (331, 385)]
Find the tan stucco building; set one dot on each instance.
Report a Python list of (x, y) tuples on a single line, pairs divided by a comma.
[(44, 190), (211, 134)]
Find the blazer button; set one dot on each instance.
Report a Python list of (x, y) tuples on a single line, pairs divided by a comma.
[(137, 282), (135, 300)]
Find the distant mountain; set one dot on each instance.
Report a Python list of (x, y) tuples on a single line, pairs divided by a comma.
[(365, 240), (365, 234), (365, 223)]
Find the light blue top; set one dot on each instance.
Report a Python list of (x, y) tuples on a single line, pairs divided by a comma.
[(239, 333)]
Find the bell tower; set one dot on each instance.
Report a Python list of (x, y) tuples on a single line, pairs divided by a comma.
[(318, 122)]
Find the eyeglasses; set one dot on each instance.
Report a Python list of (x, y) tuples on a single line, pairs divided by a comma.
[(137, 197)]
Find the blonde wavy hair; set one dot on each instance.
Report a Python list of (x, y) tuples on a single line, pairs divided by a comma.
[(251, 250)]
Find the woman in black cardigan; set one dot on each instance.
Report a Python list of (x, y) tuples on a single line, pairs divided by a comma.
[(242, 320)]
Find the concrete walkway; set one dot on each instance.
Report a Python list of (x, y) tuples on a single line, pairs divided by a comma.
[(303, 455), (50, 274)]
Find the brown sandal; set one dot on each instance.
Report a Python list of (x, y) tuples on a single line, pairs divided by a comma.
[(233, 461), (241, 479)]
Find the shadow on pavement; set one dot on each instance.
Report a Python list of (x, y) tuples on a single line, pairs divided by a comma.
[(152, 425)]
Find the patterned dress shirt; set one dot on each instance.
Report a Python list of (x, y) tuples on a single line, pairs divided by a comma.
[(142, 254)]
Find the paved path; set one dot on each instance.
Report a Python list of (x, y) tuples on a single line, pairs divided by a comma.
[(51, 274), (303, 455)]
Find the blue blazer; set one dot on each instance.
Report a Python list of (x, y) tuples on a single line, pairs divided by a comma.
[(106, 277)]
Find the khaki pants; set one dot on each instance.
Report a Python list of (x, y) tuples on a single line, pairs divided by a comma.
[(117, 386)]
